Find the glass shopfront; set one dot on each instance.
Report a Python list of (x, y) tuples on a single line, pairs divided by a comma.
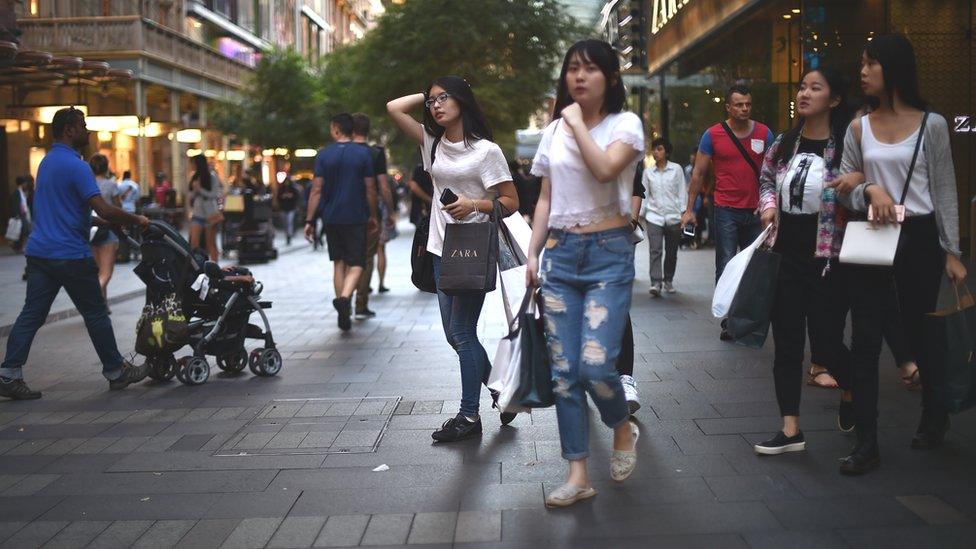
[(767, 45)]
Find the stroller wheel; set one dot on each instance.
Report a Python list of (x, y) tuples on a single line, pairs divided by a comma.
[(254, 360), (234, 361), (270, 362), (162, 368), (196, 371)]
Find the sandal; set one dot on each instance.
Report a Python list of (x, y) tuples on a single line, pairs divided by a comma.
[(623, 462), (568, 494), (815, 378)]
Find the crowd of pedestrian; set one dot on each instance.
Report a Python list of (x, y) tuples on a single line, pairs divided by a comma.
[(590, 195)]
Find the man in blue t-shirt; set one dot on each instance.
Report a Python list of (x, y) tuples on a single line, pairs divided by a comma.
[(345, 185), (59, 256)]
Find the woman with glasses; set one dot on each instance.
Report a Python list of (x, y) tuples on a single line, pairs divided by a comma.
[(587, 159), (458, 152)]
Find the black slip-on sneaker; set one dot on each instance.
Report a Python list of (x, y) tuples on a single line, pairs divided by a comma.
[(781, 444)]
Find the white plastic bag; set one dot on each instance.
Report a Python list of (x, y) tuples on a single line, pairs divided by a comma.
[(15, 225), (728, 283), (513, 280), (506, 369)]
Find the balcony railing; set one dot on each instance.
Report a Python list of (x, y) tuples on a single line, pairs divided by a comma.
[(123, 37)]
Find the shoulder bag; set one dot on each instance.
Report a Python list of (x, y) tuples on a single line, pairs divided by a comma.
[(868, 244), (422, 261)]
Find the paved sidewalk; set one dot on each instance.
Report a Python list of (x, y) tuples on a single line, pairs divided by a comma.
[(289, 461)]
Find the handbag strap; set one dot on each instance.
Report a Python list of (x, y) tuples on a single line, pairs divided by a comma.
[(513, 329), (958, 300), (911, 168), (738, 145)]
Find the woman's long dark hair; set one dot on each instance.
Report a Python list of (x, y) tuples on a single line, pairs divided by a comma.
[(474, 125), (896, 56), (840, 118), (602, 55), (202, 173)]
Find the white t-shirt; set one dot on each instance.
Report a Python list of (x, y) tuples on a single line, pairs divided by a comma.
[(887, 165), (470, 171), (577, 197), (806, 172)]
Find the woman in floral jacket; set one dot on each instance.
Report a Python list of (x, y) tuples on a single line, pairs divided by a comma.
[(796, 196)]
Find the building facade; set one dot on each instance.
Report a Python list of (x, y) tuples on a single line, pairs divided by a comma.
[(696, 49), (183, 55)]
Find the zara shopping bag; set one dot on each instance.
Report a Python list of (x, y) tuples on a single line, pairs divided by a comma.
[(749, 313), (728, 283), (948, 349), (470, 256)]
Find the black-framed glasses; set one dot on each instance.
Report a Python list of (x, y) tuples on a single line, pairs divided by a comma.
[(438, 99)]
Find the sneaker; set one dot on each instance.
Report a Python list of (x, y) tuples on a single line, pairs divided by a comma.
[(655, 290), (344, 308), (780, 444), (630, 393), (669, 287), (365, 314), (457, 428), (384, 289), (16, 389), (130, 374), (845, 416)]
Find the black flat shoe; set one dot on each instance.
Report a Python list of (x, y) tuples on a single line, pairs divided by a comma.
[(506, 417), (931, 430), (457, 428)]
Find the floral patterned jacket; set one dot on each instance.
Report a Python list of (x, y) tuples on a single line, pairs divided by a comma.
[(833, 216)]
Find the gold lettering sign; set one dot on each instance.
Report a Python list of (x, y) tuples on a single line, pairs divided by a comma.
[(664, 11)]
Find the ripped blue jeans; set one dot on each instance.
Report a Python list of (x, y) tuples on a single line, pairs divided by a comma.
[(586, 290)]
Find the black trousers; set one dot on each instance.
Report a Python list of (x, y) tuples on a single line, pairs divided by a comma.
[(912, 285), (625, 360), (807, 300)]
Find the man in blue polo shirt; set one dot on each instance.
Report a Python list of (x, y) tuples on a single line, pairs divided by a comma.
[(59, 256), (346, 187)]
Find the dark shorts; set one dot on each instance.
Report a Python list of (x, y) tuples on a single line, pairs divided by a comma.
[(347, 243)]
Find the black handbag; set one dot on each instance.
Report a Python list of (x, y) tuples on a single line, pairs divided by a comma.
[(422, 261), (752, 305), (948, 357), (535, 374), (469, 260)]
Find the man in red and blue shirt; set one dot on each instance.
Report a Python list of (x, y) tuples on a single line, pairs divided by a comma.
[(735, 149)]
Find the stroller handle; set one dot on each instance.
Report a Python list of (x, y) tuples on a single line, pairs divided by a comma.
[(123, 234)]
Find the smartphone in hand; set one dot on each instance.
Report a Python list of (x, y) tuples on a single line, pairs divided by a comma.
[(689, 230), (448, 197)]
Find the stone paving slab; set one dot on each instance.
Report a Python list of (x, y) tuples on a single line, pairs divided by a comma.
[(142, 467)]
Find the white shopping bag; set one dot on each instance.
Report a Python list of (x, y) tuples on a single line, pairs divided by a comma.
[(513, 280), (520, 231), (728, 283), (506, 369), (15, 225)]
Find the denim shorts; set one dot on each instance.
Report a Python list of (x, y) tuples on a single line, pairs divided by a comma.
[(199, 221)]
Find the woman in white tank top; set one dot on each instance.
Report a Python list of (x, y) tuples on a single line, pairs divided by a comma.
[(878, 153), (587, 159)]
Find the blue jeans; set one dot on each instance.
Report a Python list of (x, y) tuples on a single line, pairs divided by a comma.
[(459, 314), (734, 229), (587, 281), (45, 278)]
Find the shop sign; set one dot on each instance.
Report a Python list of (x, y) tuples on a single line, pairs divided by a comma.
[(965, 123), (664, 11)]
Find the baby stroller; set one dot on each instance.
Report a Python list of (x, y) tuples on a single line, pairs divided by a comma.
[(192, 301)]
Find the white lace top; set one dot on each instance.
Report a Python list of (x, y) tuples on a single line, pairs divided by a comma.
[(577, 197)]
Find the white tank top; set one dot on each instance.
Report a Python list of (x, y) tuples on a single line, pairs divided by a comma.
[(887, 165)]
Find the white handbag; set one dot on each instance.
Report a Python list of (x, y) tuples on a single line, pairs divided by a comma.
[(868, 244)]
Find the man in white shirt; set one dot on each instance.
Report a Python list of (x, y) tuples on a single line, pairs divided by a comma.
[(667, 197)]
